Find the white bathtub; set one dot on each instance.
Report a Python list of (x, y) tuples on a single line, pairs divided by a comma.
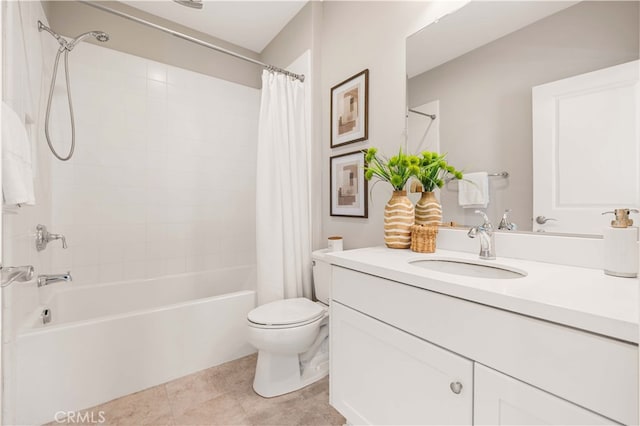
[(109, 340)]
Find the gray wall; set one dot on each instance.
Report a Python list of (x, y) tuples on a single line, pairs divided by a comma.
[(293, 40), (369, 34), (71, 18), (485, 95)]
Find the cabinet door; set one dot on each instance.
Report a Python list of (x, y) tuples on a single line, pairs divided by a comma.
[(503, 400), (381, 375)]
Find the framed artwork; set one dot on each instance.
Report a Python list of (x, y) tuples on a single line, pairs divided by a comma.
[(350, 110), (348, 196)]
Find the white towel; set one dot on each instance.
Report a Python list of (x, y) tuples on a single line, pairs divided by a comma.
[(17, 171), (473, 190)]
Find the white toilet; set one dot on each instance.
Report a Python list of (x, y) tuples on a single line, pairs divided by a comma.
[(292, 337)]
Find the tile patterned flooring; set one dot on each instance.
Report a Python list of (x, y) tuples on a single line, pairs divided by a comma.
[(222, 395)]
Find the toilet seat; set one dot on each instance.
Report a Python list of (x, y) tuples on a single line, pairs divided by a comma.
[(286, 313)]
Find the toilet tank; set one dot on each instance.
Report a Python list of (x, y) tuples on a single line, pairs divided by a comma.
[(321, 276)]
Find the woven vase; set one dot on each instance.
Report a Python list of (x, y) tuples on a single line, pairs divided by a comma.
[(398, 219), (428, 210)]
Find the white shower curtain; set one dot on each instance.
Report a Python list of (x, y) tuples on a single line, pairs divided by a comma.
[(283, 224)]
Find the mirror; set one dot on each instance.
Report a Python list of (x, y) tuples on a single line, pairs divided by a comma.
[(516, 89)]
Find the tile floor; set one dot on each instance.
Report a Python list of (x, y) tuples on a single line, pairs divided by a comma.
[(221, 395)]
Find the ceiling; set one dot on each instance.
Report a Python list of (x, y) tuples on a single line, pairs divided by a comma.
[(249, 24)]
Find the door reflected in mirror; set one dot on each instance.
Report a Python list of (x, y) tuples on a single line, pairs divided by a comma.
[(545, 91)]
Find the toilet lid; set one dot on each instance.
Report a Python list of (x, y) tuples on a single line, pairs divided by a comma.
[(287, 311)]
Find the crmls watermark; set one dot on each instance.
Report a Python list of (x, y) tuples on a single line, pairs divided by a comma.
[(71, 417)]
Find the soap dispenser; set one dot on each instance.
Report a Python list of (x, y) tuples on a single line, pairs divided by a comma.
[(621, 245)]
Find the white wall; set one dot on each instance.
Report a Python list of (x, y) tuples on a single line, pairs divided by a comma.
[(359, 35), (163, 178), (26, 65)]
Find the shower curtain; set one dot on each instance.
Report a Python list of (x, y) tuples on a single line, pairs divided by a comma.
[(283, 225)]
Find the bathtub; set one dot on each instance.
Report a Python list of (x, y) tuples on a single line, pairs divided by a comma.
[(109, 340)]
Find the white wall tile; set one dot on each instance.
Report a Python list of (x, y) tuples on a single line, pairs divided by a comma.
[(110, 272), (84, 275), (176, 265), (134, 270), (155, 187), (156, 268), (135, 252)]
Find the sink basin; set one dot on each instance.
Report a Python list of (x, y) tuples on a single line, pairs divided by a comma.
[(469, 268)]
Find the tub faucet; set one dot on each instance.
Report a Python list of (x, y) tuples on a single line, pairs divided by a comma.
[(487, 241), (50, 279)]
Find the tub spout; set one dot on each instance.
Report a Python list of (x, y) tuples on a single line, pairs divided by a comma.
[(50, 279)]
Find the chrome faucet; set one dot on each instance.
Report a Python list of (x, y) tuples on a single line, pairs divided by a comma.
[(50, 279), (505, 223), (487, 241), (20, 274)]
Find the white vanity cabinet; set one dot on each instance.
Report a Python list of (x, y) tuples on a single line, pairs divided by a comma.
[(398, 353), (503, 400), (383, 376)]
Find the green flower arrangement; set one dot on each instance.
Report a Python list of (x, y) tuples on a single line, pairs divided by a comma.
[(396, 170), (433, 170)]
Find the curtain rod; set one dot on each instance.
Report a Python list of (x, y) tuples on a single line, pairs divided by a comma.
[(192, 39), (431, 116)]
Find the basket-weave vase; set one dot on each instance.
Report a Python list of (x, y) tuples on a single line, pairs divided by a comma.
[(398, 219), (428, 210)]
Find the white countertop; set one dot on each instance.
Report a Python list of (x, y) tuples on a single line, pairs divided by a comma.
[(577, 297)]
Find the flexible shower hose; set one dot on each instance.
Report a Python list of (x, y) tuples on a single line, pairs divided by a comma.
[(46, 119)]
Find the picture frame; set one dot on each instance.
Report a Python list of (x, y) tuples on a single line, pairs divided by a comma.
[(350, 110), (348, 188)]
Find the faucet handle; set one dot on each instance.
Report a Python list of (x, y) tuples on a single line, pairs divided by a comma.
[(504, 222), (44, 237), (59, 237)]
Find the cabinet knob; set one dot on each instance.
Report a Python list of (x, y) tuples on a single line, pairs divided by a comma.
[(456, 387)]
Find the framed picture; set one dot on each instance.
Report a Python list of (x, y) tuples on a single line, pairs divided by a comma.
[(348, 186), (350, 110)]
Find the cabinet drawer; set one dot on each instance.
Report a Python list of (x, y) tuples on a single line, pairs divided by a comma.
[(593, 371), (383, 376)]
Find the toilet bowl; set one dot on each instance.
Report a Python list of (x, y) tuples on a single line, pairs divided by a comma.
[(291, 336)]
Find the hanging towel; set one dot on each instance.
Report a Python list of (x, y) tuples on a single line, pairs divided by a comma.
[(473, 190), (17, 170)]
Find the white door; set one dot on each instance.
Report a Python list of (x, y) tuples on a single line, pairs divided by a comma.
[(586, 149), (383, 376), (503, 400)]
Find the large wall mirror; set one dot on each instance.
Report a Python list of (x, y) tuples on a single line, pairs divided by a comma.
[(544, 97)]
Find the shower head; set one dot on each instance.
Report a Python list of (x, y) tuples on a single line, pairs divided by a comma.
[(98, 35), (69, 45), (194, 4), (102, 37)]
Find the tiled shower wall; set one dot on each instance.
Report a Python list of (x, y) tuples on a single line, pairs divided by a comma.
[(163, 176)]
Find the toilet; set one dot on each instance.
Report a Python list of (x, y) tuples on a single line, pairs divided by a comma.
[(292, 337)]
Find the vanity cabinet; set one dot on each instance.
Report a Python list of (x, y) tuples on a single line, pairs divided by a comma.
[(397, 349), (503, 400), (381, 375)]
